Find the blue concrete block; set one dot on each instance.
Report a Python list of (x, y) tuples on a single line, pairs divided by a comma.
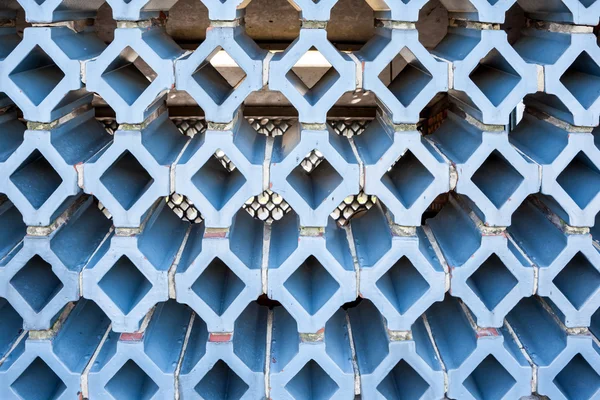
[(302, 369), (122, 84), (219, 99), (568, 365), (313, 193), (231, 369), (312, 276), (219, 192), (129, 275), (480, 363), (570, 11), (391, 368), (134, 171), (402, 169), (401, 275), (59, 10), (487, 271), (491, 172), (419, 76), (489, 76), (42, 75), (142, 365), (570, 163), (571, 74), (312, 103), (42, 275), (569, 265), (40, 175), (219, 274), (50, 366), (136, 10)]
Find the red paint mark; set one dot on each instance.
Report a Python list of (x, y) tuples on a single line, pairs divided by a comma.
[(487, 332), (131, 337), (220, 337), (215, 234)]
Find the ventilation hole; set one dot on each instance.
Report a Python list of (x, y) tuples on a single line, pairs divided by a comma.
[(312, 383), (492, 281), (219, 75), (37, 75), (495, 77), (578, 280), (217, 183), (578, 380), (125, 285), (405, 77), (311, 285), (313, 75), (497, 179), (127, 180), (131, 383), (38, 382), (582, 79), (221, 383), (36, 179), (36, 283), (316, 185), (403, 382), (407, 179), (581, 180), (403, 285), (218, 286), (129, 75), (490, 380)]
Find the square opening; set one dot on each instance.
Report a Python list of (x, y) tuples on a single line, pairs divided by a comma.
[(312, 75), (36, 179), (405, 77), (131, 383), (497, 179), (312, 382), (311, 285), (39, 382), (495, 77), (125, 285), (218, 286), (492, 281), (314, 179), (218, 183), (407, 179), (127, 180), (582, 79), (37, 283), (581, 180), (129, 75), (219, 75), (578, 380), (403, 382), (403, 285), (221, 383), (578, 280), (490, 380)]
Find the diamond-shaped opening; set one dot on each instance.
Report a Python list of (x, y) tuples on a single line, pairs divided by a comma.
[(218, 286), (315, 185), (125, 284), (217, 183), (38, 382), (578, 380), (37, 283), (587, 3), (495, 77), (311, 285), (492, 281), (37, 75), (219, 75), (131, 383), (581, 180), (127, 180), (403, 382), (36, 179), (497, 179), (578, 280), (312, 75), (490, 380), (407, 179), (221, 383), (312, 383), (405, 76), (582, 79), (129, 75), (403, 285)]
